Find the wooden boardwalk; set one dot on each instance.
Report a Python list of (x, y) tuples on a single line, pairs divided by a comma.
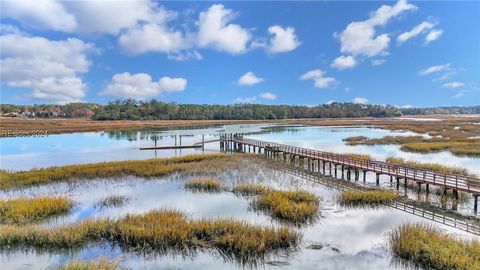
[(349, 164)]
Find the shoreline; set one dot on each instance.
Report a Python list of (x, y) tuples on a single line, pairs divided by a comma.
[(73, 125)]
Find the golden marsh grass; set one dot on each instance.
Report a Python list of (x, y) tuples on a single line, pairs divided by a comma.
[(30, 210), (429, 166), (204, 185), (140, 168), (428, 247), (159, 231), (101, 264), (296, 207), (368, 197), (246, 189)]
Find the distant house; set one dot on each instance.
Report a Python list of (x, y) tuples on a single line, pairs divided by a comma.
[(11, 114)]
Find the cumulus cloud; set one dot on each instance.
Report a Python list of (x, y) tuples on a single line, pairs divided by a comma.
[(50, 68), (360, 38), (268, 96), (344, 62), (434, 69), (330, 102), (215, 31), (417, 30), (47, 14), (249, 79), (108, 16), (283, 39), (140, 86), (319, 77), (152, 37), (433, 35), (360, 100), (453, 85)]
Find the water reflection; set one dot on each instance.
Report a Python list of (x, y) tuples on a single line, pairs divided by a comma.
[(357, 235)]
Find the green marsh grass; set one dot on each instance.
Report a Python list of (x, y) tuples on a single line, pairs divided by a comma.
[(368, 197), (140, 168), (101, 264), (204, 185), (296, 207), (428, 247), (30, 210), (159, 231)]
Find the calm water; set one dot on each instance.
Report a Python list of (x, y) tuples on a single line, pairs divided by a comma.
[(88, 147), (353, 238), (359, 235)]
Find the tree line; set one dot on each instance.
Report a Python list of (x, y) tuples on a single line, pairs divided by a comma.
[(130, 109)]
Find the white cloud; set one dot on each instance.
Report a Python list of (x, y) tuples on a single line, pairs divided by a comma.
[(434, 69), (47, 14), (453, 85), (433, 35), (378, 62), (108, 16), (330, 102), (360, 100), (249, 79), (344, 62), (421, 28), (283, 40), (141, 86), (151, 37), (216, 32), (268, 95), (318, 76), (50, 68), (359, 38)]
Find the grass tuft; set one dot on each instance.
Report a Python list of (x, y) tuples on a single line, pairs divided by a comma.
[(297, 207), (112, 201), (204, 185), (101, 264), (30, 210), (428, 247), (368, 197), (159, 231), (246, 189)]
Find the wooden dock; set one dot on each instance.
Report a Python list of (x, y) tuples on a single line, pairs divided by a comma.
[(319, 160)]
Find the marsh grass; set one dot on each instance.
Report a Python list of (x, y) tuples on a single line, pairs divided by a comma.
[(204, 185), (428, 247), (368, 197), (140, 168), (30, 210), (159, 231), (297, 207), (100, 264), (112, 201), (429, 166), (248, 189), (384, 140), (459, 148), (360, 156)]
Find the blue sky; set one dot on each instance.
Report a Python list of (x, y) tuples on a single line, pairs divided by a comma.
[(308, 53)]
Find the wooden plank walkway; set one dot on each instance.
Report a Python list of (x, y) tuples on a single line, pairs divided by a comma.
[(422, 176)]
